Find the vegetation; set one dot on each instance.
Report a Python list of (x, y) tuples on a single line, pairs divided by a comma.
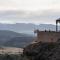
[(11, 57)]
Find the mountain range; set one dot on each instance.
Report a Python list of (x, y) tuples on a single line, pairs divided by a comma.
[(27, 28)]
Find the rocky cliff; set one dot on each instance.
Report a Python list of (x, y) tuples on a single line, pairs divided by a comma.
[(43, 51)]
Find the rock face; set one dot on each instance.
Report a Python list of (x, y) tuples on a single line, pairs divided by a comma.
[(43, 51)]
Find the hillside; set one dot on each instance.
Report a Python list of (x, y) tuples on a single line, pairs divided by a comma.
[(19, 42), (43, 51), (10, 38)]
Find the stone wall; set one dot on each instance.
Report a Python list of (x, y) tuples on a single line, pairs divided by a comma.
[(48, 36)]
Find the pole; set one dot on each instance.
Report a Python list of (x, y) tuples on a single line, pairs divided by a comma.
[(56, 27)]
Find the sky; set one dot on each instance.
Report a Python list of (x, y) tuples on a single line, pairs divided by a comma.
[(29, 11)]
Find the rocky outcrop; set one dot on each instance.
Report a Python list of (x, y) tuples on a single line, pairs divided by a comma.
[(43, 51)]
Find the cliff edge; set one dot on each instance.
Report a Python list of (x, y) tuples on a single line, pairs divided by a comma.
[(43, 51)]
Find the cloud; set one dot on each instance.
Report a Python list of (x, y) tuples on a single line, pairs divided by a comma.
[(37, 17), (29, 5)]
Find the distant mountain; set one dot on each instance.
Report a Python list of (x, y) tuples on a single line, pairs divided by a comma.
[(18, 27), (10, 38), (27, 28)]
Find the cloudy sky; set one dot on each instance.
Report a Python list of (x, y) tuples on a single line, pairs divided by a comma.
[(29, 11)]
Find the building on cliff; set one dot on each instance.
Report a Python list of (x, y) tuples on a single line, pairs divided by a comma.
[(48, 36)]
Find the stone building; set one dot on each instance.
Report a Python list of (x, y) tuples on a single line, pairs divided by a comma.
[(48, 36)]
